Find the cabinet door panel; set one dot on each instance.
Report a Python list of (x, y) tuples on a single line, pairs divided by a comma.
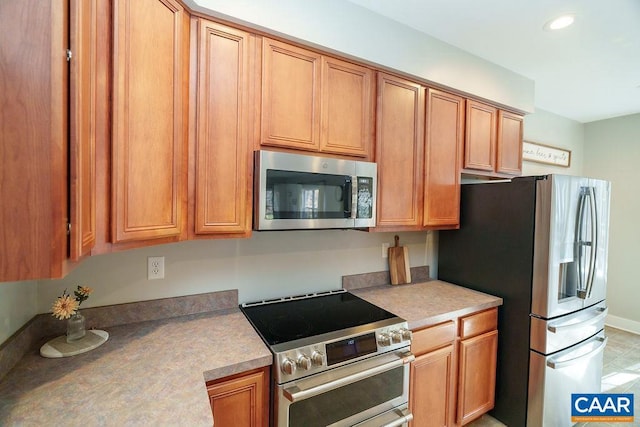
[(477, 377), (510, 128), (242, 401), (432, 388), (82, 160), (148, 180), (33, 139), (347, 108), (222, 175), (480, 144), (290, 96), (444, 137), (399, 151)]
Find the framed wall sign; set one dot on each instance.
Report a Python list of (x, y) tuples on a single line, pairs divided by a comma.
[(535, 152)]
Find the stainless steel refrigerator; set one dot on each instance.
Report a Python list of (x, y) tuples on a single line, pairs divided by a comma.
[(540, 243)]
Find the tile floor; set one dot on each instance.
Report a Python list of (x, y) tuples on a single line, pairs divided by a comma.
[(621, 374)]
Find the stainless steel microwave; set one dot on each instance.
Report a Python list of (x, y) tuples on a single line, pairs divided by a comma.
[(295, 192)]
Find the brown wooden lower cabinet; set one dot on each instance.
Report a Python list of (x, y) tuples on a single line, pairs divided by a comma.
[(453, 377), (241, 400), (432, 386), (477, 377)]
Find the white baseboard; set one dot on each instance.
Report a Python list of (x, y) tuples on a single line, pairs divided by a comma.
[(622, 323)]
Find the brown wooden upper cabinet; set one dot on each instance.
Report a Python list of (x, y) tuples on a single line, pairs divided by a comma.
[(149, 146), (493, 140), (399, 152), (509, 153), (47, 175), (314, 102), (222, 163), (443, 150)]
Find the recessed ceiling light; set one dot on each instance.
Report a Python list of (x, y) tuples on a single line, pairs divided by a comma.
[(560, 22)]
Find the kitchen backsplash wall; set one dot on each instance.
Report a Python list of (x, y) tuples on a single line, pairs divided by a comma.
[(269, 264), (18, 304)]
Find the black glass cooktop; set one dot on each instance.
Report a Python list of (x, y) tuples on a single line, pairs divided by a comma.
[(302, 317)]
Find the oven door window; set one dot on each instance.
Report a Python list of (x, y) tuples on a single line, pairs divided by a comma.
[(301, 195), (375, 392)]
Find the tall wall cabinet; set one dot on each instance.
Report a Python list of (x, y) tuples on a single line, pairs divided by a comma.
[(149, 142), (47, 175), (220, 167)]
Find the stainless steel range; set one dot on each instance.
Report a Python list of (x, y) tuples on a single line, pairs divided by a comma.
[(338, 360)]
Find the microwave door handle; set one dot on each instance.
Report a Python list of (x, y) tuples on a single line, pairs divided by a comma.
[(580, 244), (593, 253), (354, 197)]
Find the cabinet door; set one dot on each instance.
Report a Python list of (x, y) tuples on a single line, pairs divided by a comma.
[(477, 376), (443, 148), (290, 96), (82, 143), (509, 154), (222, 175), (347, 108), (399, 152), (33, 138), (480, 143), (242, 401), (432, 388), (148, 170)]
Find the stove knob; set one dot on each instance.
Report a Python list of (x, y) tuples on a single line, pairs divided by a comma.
[(406, 334), (288, 366), (384, 340), (304, 362), (317, 358), (396, 337)]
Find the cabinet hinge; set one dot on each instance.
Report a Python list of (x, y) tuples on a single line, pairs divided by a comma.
[(68, 228), (69, 55)]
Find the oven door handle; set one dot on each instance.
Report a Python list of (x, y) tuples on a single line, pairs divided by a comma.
[(295, 394)]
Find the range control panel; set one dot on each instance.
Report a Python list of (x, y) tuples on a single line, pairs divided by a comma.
[(311, 359)]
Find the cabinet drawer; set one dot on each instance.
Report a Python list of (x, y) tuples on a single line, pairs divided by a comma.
[(478, 323), (427, 339)]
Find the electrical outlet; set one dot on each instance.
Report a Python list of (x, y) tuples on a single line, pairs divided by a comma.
[(155, 267), (385, 250)]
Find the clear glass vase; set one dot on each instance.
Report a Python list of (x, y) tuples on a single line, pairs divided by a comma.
[(75, 327)]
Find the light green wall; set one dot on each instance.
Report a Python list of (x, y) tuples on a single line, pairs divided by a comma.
[(612, 152), (18, 304), (550, 129)]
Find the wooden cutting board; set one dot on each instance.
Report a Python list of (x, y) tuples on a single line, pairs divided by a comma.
[(399, 264)]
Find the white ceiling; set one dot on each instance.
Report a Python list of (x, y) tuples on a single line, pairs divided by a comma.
[(586, 72)]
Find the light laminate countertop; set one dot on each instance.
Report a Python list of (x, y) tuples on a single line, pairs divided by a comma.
[(147, 373), (428, 303)]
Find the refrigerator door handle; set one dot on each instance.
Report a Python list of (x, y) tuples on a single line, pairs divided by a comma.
[(602, 313), (579, 244), (593, 253), (563, 364), (586, 276)]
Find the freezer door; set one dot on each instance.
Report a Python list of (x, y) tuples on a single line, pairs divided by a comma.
[(571, 241), (553, 378), (549, 336)]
